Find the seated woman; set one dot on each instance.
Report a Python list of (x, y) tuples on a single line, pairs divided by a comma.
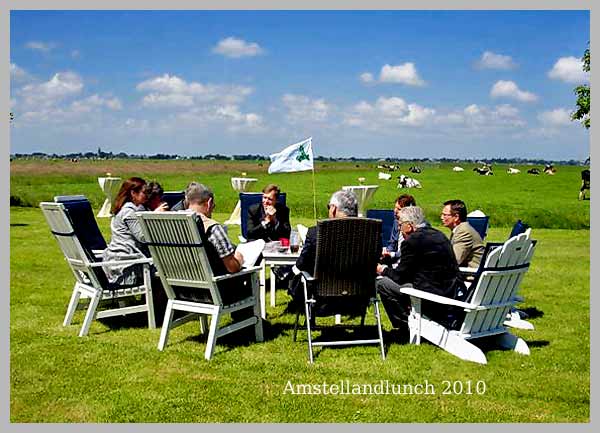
[(126, 234)]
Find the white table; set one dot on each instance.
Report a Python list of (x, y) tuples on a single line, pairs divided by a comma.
[(110, 187), (273, 258), (364, 194), (240, 184)]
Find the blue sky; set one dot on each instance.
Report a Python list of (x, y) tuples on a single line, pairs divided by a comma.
[(410, 84)]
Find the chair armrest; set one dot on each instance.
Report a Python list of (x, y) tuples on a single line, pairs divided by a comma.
[(437, 298), (307, 276), (246, 271), (466, 270), (147, 261)]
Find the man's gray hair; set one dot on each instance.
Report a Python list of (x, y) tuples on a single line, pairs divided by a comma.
[(413, 215), (346, 202), (197, 193)]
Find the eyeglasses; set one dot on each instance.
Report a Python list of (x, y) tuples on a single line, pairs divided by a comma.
[(447, 214)]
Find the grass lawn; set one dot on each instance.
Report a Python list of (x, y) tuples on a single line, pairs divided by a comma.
[(116, 374)]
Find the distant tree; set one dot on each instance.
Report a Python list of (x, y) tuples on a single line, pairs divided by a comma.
[(11, 116), (582, 113)]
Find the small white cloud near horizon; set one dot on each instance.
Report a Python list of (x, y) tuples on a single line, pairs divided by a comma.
[(44, 47), (367, 78), (570, 70), (509, 89), (95, 102), (386, 113), (235, 48), (555, 118), (405, 73), (304, 109), (490, 60)]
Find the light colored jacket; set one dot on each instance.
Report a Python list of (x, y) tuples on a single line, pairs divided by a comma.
[(467, 245)]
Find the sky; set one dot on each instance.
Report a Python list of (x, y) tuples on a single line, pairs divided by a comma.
[(405, 84)]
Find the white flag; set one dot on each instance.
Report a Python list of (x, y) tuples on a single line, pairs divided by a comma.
[(297, 157)]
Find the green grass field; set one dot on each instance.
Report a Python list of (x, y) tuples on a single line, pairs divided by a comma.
[(116, 374)]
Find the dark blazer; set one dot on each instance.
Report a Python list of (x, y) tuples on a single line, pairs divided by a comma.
[(306, 261), (281, 229), (428, 263)]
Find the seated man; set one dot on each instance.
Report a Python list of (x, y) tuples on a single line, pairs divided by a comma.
[(341, 205), (427, 263), (466, 242), (269, 220), (220, 251), (391, 252)]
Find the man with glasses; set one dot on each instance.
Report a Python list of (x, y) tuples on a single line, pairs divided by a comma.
[(466, 241), (269, 220), (427, 263), (342, 204)]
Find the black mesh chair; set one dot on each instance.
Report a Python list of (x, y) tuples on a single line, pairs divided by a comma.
[(344, 276)]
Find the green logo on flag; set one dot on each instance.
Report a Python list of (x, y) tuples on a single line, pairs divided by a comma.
[(302, 155)]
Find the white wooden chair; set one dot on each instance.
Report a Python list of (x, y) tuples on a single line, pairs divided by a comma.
[(177, 248), (90, 280), (485, 310)]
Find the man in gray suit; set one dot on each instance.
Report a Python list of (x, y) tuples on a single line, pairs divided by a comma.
[(466, 242)]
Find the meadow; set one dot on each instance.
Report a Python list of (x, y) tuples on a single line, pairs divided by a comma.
[(116, 374)]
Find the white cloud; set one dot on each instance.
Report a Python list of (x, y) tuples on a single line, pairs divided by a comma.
[(405, 74), (509, 89), (44, 47), (367, 77), (172, 91), (94, 102), (17, 73), (490, 60), (236, 48), (569, 70), (304, 109), (387, 113), (60, 86), (555, 118)]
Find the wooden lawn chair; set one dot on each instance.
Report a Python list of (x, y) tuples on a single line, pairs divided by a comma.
[(486, 310), (176, 244), (90, 280)]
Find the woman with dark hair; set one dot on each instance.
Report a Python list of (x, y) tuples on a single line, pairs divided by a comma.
[(126, 234)]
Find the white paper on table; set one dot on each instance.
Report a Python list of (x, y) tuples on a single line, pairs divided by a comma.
[(250, 252)]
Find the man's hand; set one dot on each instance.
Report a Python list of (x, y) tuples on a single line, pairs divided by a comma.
[(270, 214), (380, 268)]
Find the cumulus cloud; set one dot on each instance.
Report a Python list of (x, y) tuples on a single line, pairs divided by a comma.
[(44, 47), (367, 77), (59, 87), (509, 89), (172, 91), (479, 118), (95, 102), (405, 74), (236, 48), (569, 70), (387, 113), (490, 60), (304, 109), (555, 118)]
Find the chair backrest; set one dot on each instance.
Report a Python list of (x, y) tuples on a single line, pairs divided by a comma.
[(479, 223), (502, 273), (173, 197), (387, 219), (77, 255), (176, 243), (80, 213), (518, 228), (247, 199), (347, 253)]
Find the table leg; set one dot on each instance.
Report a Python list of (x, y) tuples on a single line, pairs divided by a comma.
[(272, 287), (263, 295)]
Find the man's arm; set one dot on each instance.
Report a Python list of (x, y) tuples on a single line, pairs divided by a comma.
[(233, 262), (306, 261), (462, 244), (404, 272), (254, 228), (282, 227)]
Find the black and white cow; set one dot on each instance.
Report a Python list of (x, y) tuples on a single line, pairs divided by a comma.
[(585, 183), (408, 182), (535, 171), (484, 171), (415, 169)]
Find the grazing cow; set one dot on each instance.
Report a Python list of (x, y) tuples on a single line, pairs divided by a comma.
[(485, 171), (535, 171), (513, 170), (585, 183), (457, 168), (549, 169), (415, 169), (384, 176), (408, 182)]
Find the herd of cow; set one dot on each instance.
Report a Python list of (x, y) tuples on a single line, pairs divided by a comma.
[(485, 170)]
